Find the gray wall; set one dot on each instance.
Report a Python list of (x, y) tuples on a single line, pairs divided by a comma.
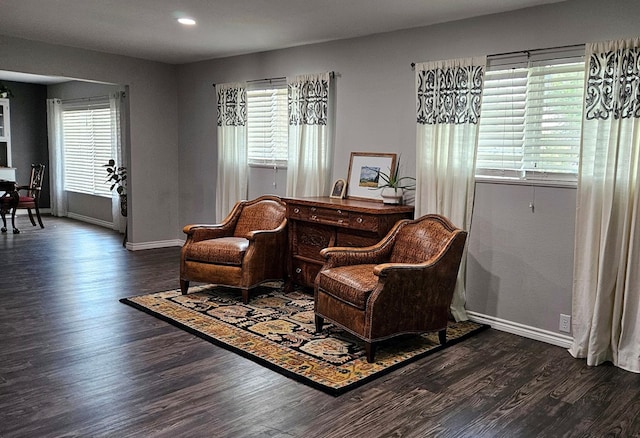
[(520, 262), (153, 160)]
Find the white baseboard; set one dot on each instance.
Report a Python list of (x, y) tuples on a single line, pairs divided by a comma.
[(90, 220), (515, 328), (129, 245), (154, 245)]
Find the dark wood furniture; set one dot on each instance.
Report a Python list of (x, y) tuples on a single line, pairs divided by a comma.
[(31, 199), (322, 222), (8, 203)]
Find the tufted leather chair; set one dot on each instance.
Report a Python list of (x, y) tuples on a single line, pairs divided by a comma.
[(247, 248), (403, 284)]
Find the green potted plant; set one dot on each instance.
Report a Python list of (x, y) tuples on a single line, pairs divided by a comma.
[(393, 185), (5, 92), (117, 175)]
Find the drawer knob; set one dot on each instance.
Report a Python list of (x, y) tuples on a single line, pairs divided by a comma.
[(296, 210), (313, 209), (298, 270), (339, 211), (314, 217), (359, 220)]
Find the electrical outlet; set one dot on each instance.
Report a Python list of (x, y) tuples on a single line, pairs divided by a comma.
[(565, 323)]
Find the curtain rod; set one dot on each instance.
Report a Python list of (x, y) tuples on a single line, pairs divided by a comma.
[(331, 73), (526, 52), (85, 99)]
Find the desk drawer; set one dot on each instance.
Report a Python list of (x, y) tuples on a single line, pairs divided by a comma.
[(304, 273), (359, 221), (355, 238), (321, 215)]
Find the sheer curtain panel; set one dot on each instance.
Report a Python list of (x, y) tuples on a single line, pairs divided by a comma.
[(115, 107), (606, 289), (310, 145), (448, 96), (56, 171), (232, 181)]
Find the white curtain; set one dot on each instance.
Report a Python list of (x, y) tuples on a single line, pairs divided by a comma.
[(606, 289), (232, 183), (56, 162), (448, 95), (310, 145), (115, 106)]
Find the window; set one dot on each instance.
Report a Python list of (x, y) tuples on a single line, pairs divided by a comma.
[(531, 118), (87, 145), (267, 123)]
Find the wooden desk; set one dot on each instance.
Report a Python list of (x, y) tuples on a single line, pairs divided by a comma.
[(317, 223), (8, 203)]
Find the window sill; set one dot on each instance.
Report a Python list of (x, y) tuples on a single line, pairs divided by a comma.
[(526, 182), (268, 166)]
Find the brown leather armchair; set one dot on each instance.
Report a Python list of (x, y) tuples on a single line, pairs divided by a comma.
[(247, 248), (403, 284)]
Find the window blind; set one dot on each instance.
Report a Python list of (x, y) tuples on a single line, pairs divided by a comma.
[(531, 118), (87, 147), (267, 123)]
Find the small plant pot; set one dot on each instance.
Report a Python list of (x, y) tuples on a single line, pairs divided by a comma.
[(123, 205), (392, 196)]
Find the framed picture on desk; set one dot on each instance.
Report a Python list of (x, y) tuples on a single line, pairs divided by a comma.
[(339, 189), (364, 174)]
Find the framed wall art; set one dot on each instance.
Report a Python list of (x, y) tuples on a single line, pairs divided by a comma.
[(364, 174)]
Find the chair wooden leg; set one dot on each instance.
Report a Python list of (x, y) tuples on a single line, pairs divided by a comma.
[(33, 222), (245, 296), (184, 286), (319, 323), (13, 221), (370, 350), (442, 336), (4, 219), (39, 218)]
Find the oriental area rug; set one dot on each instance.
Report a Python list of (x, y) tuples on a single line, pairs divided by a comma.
[(276, 329)]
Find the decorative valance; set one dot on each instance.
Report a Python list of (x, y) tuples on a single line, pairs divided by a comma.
[(232, 104), (449, 92), (613, 83)]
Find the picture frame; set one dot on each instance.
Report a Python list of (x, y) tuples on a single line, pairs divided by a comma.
[(364, 171), (338, 189)]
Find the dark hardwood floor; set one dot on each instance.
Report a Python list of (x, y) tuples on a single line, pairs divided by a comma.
[(76, 362)]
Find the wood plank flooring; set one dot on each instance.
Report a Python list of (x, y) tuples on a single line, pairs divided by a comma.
[(76, 362)]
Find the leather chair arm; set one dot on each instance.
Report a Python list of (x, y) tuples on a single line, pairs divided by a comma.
[(344, 256), (198, 232), (374, 254), (384, 269), (257, 234)]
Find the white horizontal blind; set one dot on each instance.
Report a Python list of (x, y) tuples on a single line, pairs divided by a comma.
[(554, 118), (531, 118), (87, 146), (502, 122), (267, 124)]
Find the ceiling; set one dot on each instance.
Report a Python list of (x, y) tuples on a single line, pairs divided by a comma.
[(148, 29)]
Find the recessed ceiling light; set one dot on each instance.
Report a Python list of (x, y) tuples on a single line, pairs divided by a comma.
[(187, 21)]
